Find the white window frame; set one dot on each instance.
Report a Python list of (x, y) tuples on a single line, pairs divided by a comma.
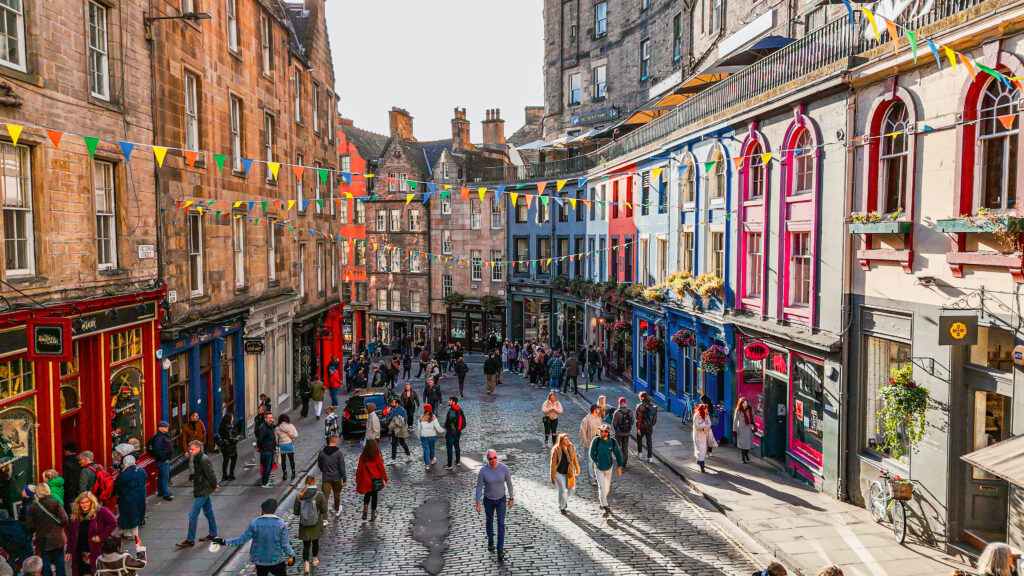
[(98, 48), (396, 300), (414, 221), (271, 254), (17, 36), (600, 19), (195, 254), (320, 267), (446, 204), (235, 111), (403, 185), (396, 260), (316, 108), (446, 242), (302, 270), (755, 264), (716, 253), (475, 214), (476, 266), (104, 186), (575, 91), (332, 264), (299, 188), (645, 59), (22, 208), (414, 264), (191, 104), (395, 220), (497, 270), (297, 102), (317, 189), (238, 244), (231, 9), (382, 299), (268, 141), (599, 76), (446, 285), (415, 301), (344, 252), (497, 218), (342, 209), (266, 43), (686, 254), (382, 220)]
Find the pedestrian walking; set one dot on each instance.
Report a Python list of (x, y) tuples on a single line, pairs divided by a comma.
[(454, 424), (433, 371), (204, 484), (432, 395), (504, 359), (93, 477), (47, 518), (593, 363), (130, 489), (602, 449), (317, 395), (331, 463), (513, 358), (372, 424), (285, 435), (410, 401), (461, 369), (227, 440), (56, 484), (310, 508), (424, 360), (114, 562), (429, 429), (192, 430), (588, 431), (551, 410), (492, 367), (564, 469), (334, 384), (494, 489), (266, 443), (996, 560), (371, 477), (555, 368), (773, 569), (271, 551), (703, 437), (71, 472), (91, 524), (406, 366), (622, 426), (572, 374), (332, 428), (743, 428), (398, 430), (602, 401), (646, 419)]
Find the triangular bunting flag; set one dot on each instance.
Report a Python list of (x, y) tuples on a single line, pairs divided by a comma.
[(737, 161), (298, 171), (1007, 121), (559, 184), (540, 187), (709, 165), (581, 182), (15, 131), (191, 156), (246, 164), (951, 56), (912, 38), (544, 200), (219, 159), (529, 200), (572, 202), (935, 52), (273, 167), (655, 173), (970, 67), (894, 34), (159, 152), (766, 158), (291, 204), (871, 19), (499, 192), (408, 198), (126, 149), (90, 143), (347, 176), (323, 175), (445, 193), (55, 137), (482, 192), (412, 185), (465, 193), (997, 75), (513, 196)]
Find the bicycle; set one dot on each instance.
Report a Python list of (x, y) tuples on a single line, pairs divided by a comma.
[(690, 402), (889, 493)]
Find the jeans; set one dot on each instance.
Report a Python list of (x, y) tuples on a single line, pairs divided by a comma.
[(554, 384), (490, 507), (624, 448), (575, 386), (428, 448), (332, 486), (451, 442), (206, 505), (551, 429), (591, 370), (395, 443), (266, 463), (642, 433), (280, 569), (53, 558), (604, 484), (163, 479), (334, 396), (563, 490)]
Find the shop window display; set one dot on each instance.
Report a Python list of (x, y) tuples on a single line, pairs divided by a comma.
[(881, 356), (994, 349), (808, 398), (17, 451), (991, 424), (70, 383), (125, 345), (16, 377), (126, 417)]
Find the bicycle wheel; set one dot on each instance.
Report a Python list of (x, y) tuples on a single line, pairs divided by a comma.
[(899, 520), (876, 501), (687, 413)]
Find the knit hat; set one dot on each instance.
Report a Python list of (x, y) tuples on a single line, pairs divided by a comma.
[(428, 408), (622, 400), (269, 506), (163, 424)]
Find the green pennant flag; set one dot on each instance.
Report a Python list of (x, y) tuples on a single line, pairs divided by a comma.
[(323, 175), (445, 194), (219, 159), (991, 72), (264, 204), (291, 229), (320, 202), (913, 43), (709, 165), (518, 186), (412, 185), (91, 142), (217, 215), (544, 200)]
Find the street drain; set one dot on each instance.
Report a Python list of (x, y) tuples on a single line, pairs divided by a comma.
[(431, 523)]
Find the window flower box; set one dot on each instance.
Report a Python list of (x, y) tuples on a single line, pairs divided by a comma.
[(976, 224), (884, 227)]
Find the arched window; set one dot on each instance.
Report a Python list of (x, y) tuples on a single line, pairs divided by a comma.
[(755, 172), (998, 136), (893, 157), (716, 177), (687, 184), (803, 166)]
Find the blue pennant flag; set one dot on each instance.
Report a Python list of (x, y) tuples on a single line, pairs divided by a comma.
[(583, 181), (127, 148), (246, 163), (347, 176), (935, 52), (497, 195), (251, 206)]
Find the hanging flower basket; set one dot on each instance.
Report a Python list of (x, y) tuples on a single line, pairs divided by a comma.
[(654, 344), (623, 330), (684, 338), (903, 410), (712, 361)]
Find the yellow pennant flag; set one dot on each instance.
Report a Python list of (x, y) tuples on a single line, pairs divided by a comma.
[(408, 198), (482, 192), (655, 173), (237, 203), (951, 55), (15, 131), (274, 167), (291, 204), (447, 187), (559, 184), (348, 195), (514, 196), (766, 158), (159, 152), (572, 202), (871, 19)]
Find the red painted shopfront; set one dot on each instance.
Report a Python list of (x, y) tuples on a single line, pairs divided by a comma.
[(106, 395)]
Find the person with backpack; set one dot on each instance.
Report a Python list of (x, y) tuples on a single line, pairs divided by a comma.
[(551, 409), (95, 479), (114, 562), (371, 477), (91, 524), (461, 369), (398, 429), (646, 418), (602, 448), (454, 424), (227, 440), (331, 462), (47, 518), (271, 551), (311, 509), (204, 484), (130, 490), (622, 425), (555, 368)]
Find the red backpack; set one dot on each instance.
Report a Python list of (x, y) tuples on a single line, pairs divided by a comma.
[(103, 489)]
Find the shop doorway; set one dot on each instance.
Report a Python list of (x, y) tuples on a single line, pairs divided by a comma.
[(206, 381), (773, 444), (985, 498)]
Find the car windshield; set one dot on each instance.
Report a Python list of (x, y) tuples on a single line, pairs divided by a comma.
[(377, 401)]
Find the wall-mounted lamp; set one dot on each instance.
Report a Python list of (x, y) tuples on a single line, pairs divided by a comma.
[(193, 17), (925, 281)]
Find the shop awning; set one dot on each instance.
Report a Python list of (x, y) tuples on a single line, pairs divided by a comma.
[(754, 50), (1004, 459), (666, 102)]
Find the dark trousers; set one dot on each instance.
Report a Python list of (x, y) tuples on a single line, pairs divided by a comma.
[(642, 433), (275, 570), (370, 499), (462, 382), (395, 443), (310, 549), (451, 443), (54, 558), (406, 372), (551, 429), (624, 448), (305, 405), (422, 369), (227, 465), (565, 385), (286, 459), (266, 463), (490, 507)]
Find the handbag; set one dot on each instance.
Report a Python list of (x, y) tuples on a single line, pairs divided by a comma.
[(546, 419), (377, 484)]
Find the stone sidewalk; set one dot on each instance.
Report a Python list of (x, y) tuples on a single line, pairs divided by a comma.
[(803, 528)]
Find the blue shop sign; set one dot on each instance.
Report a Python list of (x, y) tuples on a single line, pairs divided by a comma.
[(595, 116)]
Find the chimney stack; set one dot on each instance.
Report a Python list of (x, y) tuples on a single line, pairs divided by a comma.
[(460, 130), (401, 123), (494, 128)]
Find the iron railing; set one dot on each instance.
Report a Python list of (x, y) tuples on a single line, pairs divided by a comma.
[(825, 46)]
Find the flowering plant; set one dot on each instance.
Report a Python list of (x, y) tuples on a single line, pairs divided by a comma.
[(713, 359), (653, 344), (623, 330), (654, 293), (903, 410), (684, 338)]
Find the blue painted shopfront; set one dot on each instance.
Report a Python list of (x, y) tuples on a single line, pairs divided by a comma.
[(650, 370), (204, 371)]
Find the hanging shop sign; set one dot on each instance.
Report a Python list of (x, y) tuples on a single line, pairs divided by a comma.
[(1018, 355), (49, 339), (756, 351), (959, 330), (253, 345), (595, 116)]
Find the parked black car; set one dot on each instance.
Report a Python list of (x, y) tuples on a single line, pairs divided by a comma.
[(353, 417)]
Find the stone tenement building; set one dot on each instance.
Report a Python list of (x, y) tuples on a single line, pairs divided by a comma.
[(254, 83), (79, 278)]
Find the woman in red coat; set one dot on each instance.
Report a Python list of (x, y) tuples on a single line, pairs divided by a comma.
[(91, 524), (371, 477)]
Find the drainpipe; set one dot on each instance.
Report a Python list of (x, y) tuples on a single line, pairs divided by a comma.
[(156, 170), (847, 315)]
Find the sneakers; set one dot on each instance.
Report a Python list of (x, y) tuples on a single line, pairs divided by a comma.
[(433, 460), (316, 561), (427, 467), (168, 497), (639, 454), (305, 567), (268, 485), (650, 459)]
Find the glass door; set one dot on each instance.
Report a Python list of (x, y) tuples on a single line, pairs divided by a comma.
[(986, 498)]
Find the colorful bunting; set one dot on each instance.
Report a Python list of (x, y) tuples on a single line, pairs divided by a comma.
[(655, 173), (55, 137), (935, 52), (14, 131), (219, 159), (709, 165), (1007, 120), (951, 55), (191, 156), (893, 34), (513, 196), (871, 19), (967, 63), (322, 172), (246, 164), (559, 184), (482, 192), (501, 190), (126, 149), (766, 158), (408, 198), (465, 192), (912, 38), (273, 167), (159, 152), (540, 187), (90, 143)]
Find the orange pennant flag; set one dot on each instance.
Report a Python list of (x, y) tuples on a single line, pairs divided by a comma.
[(967, 63), (529, 199), (894, 34), (737, 161), (298, 170), (1007, 121), (55, 137), (190, 157), (540, 188), (465, 193)]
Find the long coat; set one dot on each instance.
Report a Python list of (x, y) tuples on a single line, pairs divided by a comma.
[(574, 465), (744, 432), (130, 489), (366, 471), (102, 526), (316, 530), (703, 437)]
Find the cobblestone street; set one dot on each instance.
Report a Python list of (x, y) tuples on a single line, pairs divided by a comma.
[(654, 528)]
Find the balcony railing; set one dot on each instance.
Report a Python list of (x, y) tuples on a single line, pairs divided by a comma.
[(820, 48)]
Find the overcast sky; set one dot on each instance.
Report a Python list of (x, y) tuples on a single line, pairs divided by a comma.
[(429, 57)]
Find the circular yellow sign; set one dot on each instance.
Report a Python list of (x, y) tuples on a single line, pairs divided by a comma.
[(958, 330)]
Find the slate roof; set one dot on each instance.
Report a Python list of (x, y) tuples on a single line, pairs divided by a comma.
[(426, 154), (370, 145)]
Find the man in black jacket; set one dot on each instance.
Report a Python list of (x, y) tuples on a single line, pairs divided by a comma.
[(266, 443), (593, 363), (71, 472), (161, 449), (432, 395), (204, 483), (454, 424), (461, 369), (492, 367), (331, 463)]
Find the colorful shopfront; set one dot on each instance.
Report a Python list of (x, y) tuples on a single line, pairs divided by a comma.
[(87, 376)]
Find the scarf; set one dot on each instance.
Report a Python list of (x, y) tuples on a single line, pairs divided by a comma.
[(748, 415)]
